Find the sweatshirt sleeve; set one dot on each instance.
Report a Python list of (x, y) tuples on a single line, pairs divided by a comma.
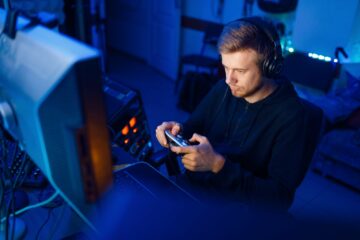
[(289, 161)]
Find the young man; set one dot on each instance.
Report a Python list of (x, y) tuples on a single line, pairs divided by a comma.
[(254, 136)]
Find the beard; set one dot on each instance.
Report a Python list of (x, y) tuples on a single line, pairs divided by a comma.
[(242, 92)]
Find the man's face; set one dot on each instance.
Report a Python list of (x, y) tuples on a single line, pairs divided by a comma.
[(243, 75)]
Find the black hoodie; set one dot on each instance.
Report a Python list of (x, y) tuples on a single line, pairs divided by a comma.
[(268, 145)]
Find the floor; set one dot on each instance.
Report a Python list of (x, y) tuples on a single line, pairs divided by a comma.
[(317, 197)]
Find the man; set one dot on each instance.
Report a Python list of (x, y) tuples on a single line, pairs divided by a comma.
[(254, 136)]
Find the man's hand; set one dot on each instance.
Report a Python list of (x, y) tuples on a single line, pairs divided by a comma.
[(174, 128), (201, 157)]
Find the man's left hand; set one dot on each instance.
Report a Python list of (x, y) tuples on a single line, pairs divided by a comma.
[(201, 157)]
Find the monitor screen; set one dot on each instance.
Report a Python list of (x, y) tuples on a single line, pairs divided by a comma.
[(51, 102)]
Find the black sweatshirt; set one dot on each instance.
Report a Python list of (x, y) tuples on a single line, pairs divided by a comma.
[(267, 145)]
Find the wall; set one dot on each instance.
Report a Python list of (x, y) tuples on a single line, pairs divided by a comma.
[(323, 25), (128, 26), (207, 9), (191, 40), (53, 6), (353, 46)]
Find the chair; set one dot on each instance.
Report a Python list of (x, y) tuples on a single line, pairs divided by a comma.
[(316, 127), (314, 73), (201, 60)]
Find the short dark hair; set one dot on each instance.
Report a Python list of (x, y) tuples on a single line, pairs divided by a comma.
[(241, 35)]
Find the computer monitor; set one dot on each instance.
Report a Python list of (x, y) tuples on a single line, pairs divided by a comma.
[(52, 104)]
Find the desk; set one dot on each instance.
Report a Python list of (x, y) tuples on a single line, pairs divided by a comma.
[(126, 205), (55, 222)]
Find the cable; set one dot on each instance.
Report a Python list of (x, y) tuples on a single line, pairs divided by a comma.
[(13, 219), (112, 131), (217, 9), (45, 193), (20, 171), (10, 208), (2, 178), (44, 223), (5, 174), (7, 5), (13, 185), (27, 169), (54, 227), (33, 206), (2, 193)]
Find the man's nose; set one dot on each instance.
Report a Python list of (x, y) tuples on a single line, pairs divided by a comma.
[(230, 78)]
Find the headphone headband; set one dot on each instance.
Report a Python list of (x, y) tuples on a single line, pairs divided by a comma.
[(273, 64)]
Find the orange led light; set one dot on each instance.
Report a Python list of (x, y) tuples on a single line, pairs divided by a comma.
[(125, 130), (132, 122), (126, 141), (135, 130)]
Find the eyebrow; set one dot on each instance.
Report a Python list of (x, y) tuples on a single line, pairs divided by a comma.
[(241, 69)]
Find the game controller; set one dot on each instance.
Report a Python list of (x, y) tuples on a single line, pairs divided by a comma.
[(176, 140)]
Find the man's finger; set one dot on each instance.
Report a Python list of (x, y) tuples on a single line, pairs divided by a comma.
[(190, 168), (189, 162), (175, 129), (183, 150), (198, 138), (161, 136)]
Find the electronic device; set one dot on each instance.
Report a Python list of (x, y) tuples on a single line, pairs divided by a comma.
[(176, 140), (127, 121), (51, 102), (17, 167)]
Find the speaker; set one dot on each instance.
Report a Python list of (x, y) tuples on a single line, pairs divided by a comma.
[(127, 121)]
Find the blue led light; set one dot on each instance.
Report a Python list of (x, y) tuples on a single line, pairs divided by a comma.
[(316, 56)]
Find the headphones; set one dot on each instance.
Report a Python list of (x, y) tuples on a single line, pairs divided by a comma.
[(272, 65)]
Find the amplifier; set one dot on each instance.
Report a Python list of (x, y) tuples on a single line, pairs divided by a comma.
[(126, 120)]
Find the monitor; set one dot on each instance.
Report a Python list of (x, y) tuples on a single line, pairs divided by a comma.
[(51, 102)]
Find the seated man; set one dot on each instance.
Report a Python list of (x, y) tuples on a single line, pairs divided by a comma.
[(254, 136)]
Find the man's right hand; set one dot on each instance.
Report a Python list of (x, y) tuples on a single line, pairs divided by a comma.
[(174, 128)]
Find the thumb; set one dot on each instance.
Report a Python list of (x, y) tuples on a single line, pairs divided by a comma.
[(175, 129), (198, 138)]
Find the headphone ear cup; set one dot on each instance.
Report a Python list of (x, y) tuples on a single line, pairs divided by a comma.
[(269, 66), (265, 68), (272, 66), (278, 65)]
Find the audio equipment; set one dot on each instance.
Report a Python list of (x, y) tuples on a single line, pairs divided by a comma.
[(272, 65), (19, 167), (127, 121)]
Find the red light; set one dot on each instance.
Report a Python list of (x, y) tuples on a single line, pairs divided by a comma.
[(126, 141), (135, 130), (132, 122), (125, 130)]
